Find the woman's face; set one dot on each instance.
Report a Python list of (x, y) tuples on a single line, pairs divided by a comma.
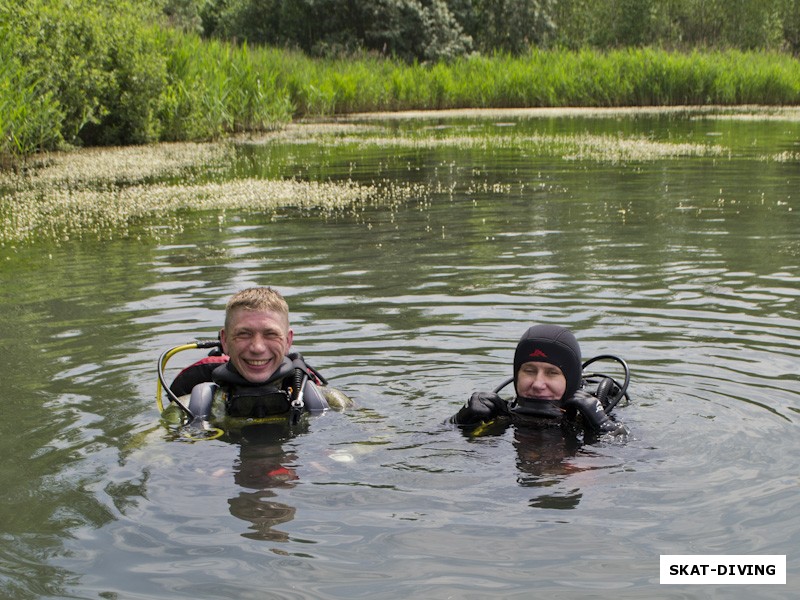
[(541, 380)]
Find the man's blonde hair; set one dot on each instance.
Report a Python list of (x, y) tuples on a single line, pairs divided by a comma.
[(257, 298)]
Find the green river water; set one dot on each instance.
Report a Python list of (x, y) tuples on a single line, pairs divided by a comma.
[(426, 244)]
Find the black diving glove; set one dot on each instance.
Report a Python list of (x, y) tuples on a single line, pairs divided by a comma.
[(593, 414), (481, 406)]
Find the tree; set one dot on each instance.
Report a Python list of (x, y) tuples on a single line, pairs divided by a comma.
[(184, 14), (511, 25), (409, 29), (790, 18)]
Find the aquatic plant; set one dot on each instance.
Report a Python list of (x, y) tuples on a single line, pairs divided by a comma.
[(62, 213), (138, 190), (603, 148), (154, 191)]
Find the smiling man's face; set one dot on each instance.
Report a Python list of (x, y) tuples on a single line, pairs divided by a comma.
[(256, 341)]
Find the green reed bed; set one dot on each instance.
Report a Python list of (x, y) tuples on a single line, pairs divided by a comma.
[(215, 88), (587, 78)]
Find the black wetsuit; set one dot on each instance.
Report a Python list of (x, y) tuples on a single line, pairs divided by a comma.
[(581, 411)]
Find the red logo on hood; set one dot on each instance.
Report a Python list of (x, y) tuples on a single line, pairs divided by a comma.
[(538, 354)]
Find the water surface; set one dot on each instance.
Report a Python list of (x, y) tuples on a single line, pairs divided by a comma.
[(684, 263)]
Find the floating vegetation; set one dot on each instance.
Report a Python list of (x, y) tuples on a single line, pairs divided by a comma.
[(61, 214), (156, 190), (601, 148), (784, 157), (98, 167), (605, 148), (365, 130), (789, 114)]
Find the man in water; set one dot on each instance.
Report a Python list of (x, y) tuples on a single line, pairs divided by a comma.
[(548, 381), (255, 376)]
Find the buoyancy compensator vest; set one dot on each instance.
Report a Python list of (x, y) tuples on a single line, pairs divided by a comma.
[(292, 389)]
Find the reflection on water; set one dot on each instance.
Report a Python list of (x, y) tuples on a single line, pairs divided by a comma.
[(544, 461), (685, 267), (260, 467)]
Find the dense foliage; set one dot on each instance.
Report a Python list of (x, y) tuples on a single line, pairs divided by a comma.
[(91, 72), (442, 29), (102, 72)]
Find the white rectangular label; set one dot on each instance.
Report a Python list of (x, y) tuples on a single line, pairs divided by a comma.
[(698, 569)]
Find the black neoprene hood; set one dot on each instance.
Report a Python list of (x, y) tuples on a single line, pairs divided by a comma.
[(551, 344)]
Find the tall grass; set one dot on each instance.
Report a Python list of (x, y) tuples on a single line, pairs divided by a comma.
[(630, 77), (215, 88), (29, 119)]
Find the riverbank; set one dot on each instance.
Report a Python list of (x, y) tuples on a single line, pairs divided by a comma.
[(189, 89), (784, 113)]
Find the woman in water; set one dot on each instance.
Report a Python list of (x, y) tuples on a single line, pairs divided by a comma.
[(550, 389)]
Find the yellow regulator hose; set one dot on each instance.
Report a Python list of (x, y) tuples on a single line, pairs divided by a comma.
[(161, 387)]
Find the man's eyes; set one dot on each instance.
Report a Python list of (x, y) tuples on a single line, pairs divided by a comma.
[(271, 335)]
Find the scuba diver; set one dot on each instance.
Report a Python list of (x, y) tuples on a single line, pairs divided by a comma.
[(551, 389), (249, 377)]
